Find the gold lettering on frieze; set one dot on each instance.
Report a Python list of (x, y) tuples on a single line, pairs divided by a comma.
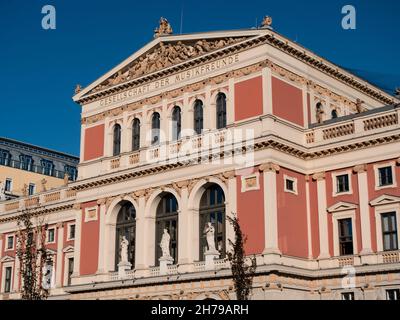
[(175, 79)]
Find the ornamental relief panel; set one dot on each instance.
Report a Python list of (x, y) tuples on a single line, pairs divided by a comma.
[(163, 56)]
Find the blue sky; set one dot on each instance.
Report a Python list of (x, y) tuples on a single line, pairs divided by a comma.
[(40, 68)]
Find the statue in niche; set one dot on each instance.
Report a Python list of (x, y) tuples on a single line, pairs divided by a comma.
[(210, 236), (43, 182), (319, 113), (124, 250), (2, 191), (25, 190), (66, 178), (359, 106), (164, 244)]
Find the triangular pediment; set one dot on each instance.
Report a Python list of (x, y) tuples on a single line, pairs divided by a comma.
[(68, 249), (7, 259), (384, 199), (342, 206), (163, 53), (51, 252)]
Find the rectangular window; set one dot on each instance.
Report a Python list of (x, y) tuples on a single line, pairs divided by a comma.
[(345, 237), (70, 269), (71, 234), (31, 189), (8, 185), (389, 231), (393, 294), (26, 162), (48, 167), (385, 176), (342, 183), (7, 282), (348, 296), (10, 242), (50, 235), (289, 184)]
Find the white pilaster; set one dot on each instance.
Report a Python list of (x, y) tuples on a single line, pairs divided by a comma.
[(183, 230), (270, 208), (364, 208), (309, 236), (102, 226), (322, 215), (140, 244), (59, 262), (77, 243), (231, 206), (267, 90), (230, 107)]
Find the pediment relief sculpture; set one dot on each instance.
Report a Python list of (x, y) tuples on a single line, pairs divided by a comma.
[(163, 56)]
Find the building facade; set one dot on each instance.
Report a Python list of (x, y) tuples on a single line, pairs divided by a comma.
[(26, 169), (194, 128)]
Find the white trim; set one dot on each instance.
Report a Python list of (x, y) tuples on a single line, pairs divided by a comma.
[(384, 199), (54, 237), (391, 164), (6, 248), (334, 176), (3, 277), (294, 180), (342, 206), (67, 256), (379, 210), (69, 230), (11, 184), (244, 179), (336, 216)]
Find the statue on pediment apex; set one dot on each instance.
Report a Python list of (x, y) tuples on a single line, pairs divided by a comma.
[(78, 88), (267, 22), (163, 29)]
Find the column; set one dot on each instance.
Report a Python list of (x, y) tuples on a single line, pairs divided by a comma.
[(77, 242), (187, 117), (140, 245), (59, 262), (231, 205), (126, 134), (184, 231), (322, 215), (267, 90), (270, 208), (101, 266), (305, 105), (15, 283), (361, 171), (230, 108), (309, 235)]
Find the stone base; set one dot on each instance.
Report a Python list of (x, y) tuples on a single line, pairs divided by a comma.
[(210, 257), (122, 268), (164, 263)]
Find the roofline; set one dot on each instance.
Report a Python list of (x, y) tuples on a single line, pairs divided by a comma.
[(40, 148)]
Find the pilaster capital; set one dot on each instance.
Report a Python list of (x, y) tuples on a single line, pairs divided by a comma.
[(318, 176), (59, 225), (76, 206), (269, 167), (398, 161), (139, 193), (101, 201), (229, 174), (360, 168)]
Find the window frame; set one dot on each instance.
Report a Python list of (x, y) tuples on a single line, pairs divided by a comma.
[(340, 215), (33, 189), (48, 235), (135, 145), (292, 179), (4, 280), (382, 209), (335, 176), (116, 147), (69, 227), (397, 294), (350, 293), (222, 112), (13, 243), (197, 118), (391, 164), (155, 131), (390, 232), (10, 180)]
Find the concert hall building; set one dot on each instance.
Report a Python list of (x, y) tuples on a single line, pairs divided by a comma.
[(193, 128)]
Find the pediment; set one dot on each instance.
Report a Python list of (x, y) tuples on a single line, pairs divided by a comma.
[(164, 53), (68, 249), (7, 259), (384, 199), (51, 252), (342, 206)]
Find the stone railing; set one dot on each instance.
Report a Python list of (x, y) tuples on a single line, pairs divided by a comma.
[(114, 163), (346, 261), (353, 128), (134, 158), (44, 198), (390, 257)]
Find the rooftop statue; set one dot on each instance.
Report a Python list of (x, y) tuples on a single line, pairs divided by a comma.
[(164, 28)]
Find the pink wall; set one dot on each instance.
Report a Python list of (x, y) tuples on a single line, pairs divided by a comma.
[(287, 101), (292, 216), (248, 98), (94, 142), (250, 206), (89, 242)]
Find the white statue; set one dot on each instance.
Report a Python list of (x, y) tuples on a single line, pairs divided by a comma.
[(210, 231), (164, 244), (2, 191), (124, 249)]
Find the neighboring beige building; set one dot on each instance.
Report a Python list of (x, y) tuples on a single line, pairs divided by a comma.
[(25, 168)]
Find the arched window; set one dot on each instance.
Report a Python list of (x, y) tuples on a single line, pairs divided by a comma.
[(167, 218), (155, 126), (221, 111), (126, 226), (135, 134), (212, 209), (198, 116), (176, 123), (117, 140), (334, 114)]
